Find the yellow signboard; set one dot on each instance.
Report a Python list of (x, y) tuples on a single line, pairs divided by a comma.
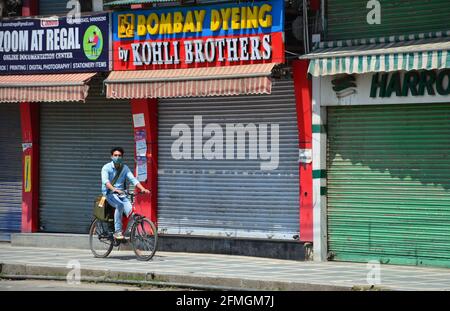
[(188, 20), (27, 174)]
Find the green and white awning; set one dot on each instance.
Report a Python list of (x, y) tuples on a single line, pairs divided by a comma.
[(433, 53)]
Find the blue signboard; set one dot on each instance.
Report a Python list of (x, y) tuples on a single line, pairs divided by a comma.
[(54, 45)]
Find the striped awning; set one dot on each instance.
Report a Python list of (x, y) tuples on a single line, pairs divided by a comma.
[(44, 88), (393, 56), (125, 2), (192, 82)]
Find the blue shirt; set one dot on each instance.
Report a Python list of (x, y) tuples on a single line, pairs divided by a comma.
[(109, 172)]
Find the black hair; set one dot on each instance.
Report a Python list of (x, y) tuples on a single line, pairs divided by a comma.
[(120, 149)]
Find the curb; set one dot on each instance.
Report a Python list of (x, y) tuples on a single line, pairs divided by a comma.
[(26, 271)]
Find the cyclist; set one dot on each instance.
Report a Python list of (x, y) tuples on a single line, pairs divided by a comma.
[(115, 194)]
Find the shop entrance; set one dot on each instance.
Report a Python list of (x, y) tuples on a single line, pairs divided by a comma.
[(245, 189), (388, 184), (76, 139), (10, 170)]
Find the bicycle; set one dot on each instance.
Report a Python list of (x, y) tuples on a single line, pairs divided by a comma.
[(143, 235)]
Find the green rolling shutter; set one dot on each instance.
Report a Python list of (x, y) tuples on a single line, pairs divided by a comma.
[(389, 184), (347, 19)]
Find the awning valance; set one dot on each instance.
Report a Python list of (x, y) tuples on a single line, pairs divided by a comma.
[(192, 82), (125, 2), (409, 55), (44, 88)]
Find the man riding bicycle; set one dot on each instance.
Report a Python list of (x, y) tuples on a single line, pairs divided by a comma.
[(115, 194)]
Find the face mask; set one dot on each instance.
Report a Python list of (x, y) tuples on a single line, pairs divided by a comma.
[(117, 160)]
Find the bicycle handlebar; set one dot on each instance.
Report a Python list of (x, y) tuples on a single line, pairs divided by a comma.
[(128, 192)]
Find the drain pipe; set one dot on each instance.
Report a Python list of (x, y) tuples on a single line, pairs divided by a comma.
[(322, 8)]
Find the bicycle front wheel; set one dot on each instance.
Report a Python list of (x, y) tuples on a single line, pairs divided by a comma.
[(144, 239), (100, 239)]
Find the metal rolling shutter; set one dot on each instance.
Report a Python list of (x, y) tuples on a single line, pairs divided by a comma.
[(347, 19), (59, 7), (76, 139), (10, 170), (230, 197), (53, 7), (388, 183)]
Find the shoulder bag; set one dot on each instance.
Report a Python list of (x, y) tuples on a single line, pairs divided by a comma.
[(102, 210)]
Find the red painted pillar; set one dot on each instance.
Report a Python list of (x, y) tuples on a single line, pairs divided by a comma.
[(30, 7), (303, 96), (29, 115), (148, 109)]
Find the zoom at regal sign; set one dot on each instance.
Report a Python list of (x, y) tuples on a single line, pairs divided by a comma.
[(54, 45), (216, 35)]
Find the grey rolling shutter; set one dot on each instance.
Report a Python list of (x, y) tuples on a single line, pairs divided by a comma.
[(53, 7), (59, 7), (10, 170), (230, 197), (76, 139), (388, 183)]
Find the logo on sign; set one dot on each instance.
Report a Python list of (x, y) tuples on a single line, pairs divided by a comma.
[(93, 42), (49, 22), (344, 86), (126, 26)]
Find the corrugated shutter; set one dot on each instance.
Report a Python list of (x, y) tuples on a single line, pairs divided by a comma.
[(59, 7), (10, 170), (388, 183), (347, 19), (76, 139), (53, 7), (230, 197)]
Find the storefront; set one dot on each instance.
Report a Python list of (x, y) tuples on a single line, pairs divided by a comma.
[(75, 141), (10, 170), (206, 108), (52, 78), (381, 120), (230, 197), (221, 130)]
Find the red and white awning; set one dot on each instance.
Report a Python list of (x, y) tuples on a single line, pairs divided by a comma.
[(44, 88), (192, 82)]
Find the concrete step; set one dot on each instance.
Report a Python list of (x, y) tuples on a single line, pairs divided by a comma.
[(290, 250), (50, 240), (54, 240)]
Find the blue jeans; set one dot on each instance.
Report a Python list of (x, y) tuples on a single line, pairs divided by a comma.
[(122, 205)]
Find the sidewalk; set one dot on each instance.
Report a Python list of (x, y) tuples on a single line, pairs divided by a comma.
[(215, 271)]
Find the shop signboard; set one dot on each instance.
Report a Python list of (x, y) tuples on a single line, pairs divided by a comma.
[(397, 87), (54, 45), (199, 36)]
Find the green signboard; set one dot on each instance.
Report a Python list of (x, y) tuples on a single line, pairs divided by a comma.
[(412, 83)]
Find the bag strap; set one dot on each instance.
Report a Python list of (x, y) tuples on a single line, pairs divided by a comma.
[(117, 175)]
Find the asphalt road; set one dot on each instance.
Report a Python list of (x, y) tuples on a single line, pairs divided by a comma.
[(44, 285)]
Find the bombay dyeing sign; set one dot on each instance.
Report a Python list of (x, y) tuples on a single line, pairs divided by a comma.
[(54, 45), (215, 35)]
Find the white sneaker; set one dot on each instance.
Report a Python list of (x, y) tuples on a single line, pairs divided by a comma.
[(118, 235)]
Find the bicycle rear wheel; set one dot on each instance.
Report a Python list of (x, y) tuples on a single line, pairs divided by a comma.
[(144, 239), (100, 238)]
